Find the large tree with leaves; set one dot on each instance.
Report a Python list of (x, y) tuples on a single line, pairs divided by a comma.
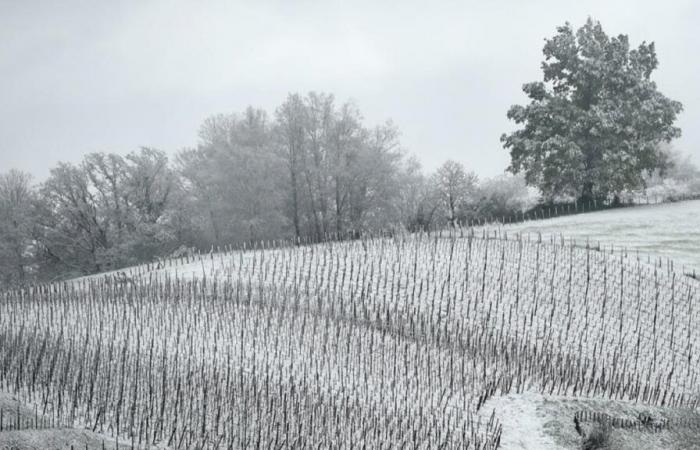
[(594, 126)]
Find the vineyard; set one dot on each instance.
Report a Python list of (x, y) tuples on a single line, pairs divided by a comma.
[(375, 343)]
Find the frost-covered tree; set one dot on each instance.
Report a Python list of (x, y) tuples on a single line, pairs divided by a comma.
[(594, 125), (455, 187), (417, 202), (504, 196), (341, 176), (232, 179), (106, 212), (679, 177), (16, 227)]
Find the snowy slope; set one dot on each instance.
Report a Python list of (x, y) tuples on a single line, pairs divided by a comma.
[(670, 230)]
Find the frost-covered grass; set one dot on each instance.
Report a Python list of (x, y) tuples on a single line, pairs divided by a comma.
[(667, 231), (535, 421), (382, 343)]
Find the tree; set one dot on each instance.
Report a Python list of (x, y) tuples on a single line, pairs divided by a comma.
[(455, 187), (418, 199), (374, 184), (73, 229), (341, 176), (345, 142), (233, 177), (291, 137), (594, 125), (16, 228), (678, 177), (106, 212), (148, 188), (503, 196), (318, 116)]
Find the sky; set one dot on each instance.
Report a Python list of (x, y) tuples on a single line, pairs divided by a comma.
[(79, 77)]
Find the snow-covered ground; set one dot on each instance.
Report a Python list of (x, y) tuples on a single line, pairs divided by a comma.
[(667, 231), (534, 421), (398, 341)]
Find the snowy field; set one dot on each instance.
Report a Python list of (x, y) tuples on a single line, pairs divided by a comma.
[(667, 231), (542, 422), (382, 343)]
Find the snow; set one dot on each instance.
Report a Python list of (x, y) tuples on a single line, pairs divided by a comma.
[(529, 291), (534, 421), (523, 423), (670, 230)]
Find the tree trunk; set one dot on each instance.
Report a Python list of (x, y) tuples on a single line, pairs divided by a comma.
[(586, 193), (295, 202), (338, 208)]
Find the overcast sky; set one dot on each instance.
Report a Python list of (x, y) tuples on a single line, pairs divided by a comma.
[(78, 77)]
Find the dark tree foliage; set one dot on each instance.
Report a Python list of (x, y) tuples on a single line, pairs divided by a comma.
[(594, 126)]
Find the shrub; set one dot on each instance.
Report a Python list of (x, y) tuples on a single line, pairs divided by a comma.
[(598, 438)]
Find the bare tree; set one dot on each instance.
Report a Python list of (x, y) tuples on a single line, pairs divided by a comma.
[(455, 187), (418, 200), (16, 225), (342, 176), (235, 178), (107, 211), (291, 136)]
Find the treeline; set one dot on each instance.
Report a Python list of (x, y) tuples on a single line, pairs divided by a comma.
[(312, 169)]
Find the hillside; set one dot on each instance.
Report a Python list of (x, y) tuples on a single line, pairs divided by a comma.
[(668, 230), (377, 342), (24, 428)]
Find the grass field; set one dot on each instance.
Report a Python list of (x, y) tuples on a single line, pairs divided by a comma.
[(668, 230), (380, 343)]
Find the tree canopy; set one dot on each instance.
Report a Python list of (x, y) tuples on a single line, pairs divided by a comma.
[(106, 212), (594, 126), (16, 227)]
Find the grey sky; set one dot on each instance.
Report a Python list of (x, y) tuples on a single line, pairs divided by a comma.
[(77, 77)]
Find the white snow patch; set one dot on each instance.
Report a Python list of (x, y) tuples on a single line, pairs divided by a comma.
[(523, 424)]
